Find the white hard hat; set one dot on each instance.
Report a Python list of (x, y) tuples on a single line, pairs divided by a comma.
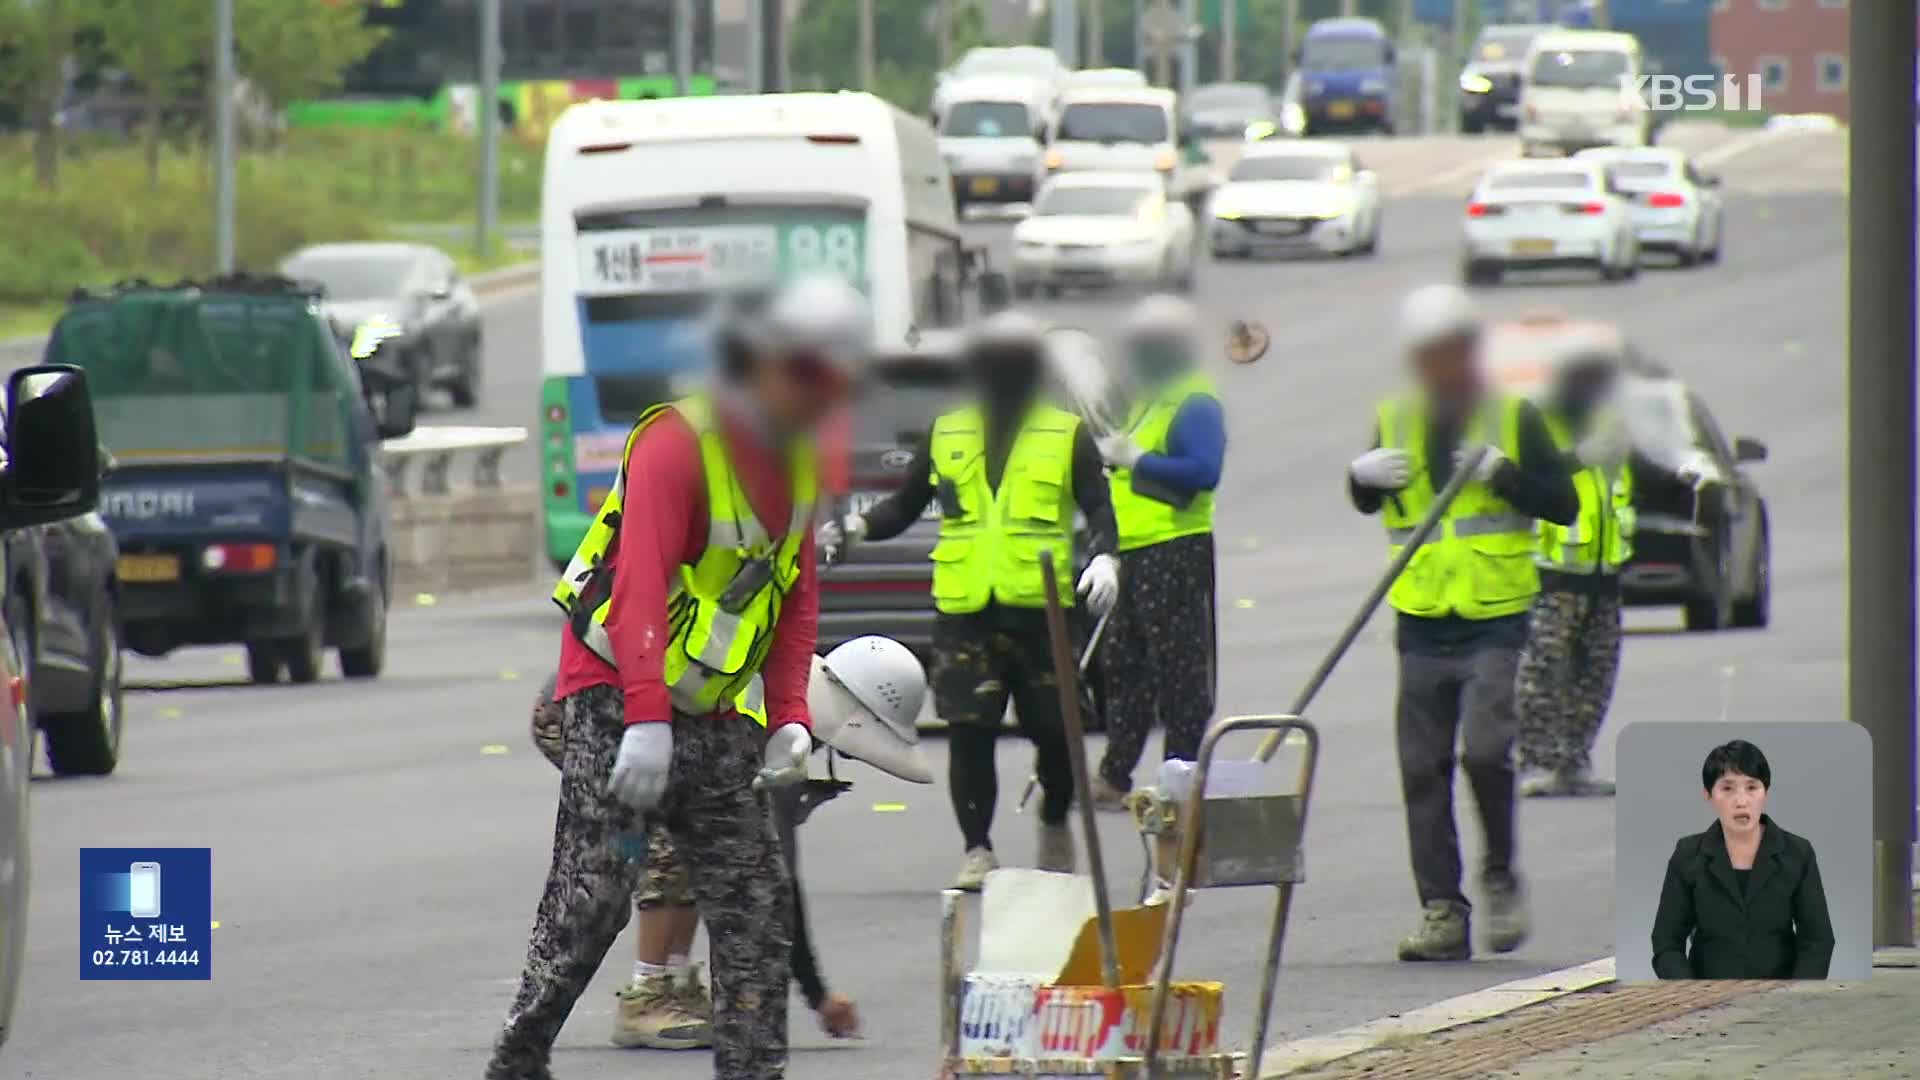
[(1436, 313), (822, 312), (1009, 327), (865, 697), (1162, 315)]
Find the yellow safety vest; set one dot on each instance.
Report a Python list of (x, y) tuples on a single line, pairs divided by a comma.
[(722, 609), (991, 540), (1478, 563), (1143, 519), (1601, 538)]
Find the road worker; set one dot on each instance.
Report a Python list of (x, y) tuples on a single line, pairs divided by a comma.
[(1462, 605), (1009, 471), (690, 589), (865, 698), (1566, 673), (1159, 656)]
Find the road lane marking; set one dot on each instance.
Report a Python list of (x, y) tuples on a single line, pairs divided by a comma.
[(1738, 145), (493, 749), (1299, 1055)]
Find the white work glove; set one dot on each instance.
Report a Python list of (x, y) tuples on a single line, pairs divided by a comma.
[(1385, 469), (1490, 462), (1119, 450), (1100, 583), (1698, 470), (833, 535), (785, 761), (640, 770)]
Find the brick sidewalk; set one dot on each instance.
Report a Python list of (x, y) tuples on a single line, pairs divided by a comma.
[(1676, 1031)]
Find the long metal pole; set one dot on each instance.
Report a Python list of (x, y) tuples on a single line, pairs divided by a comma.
[(683, 47), (866, 45), (756, 47), (1096, 35), (1190, 46), (1140, 60), (1229, 43), (943, 31), (489, 223), (1289, 15), (223, 80), (1880, 440)]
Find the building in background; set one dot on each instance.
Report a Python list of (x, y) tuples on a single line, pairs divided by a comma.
[(1797, 47)]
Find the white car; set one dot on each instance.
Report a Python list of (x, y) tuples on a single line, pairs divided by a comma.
[(1107, 79), (1578, 92), (990, 137), (1023, 61), (1108, 130), (1676, 208), (1295, 195), (1527, 215), (1099, 230)]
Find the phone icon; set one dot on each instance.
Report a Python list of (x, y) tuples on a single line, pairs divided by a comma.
[(143, 893)]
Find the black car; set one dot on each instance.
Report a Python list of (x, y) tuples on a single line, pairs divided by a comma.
[(411, 300), (1490, 82), (61, 589), (1706, 548), (51, 474), (1225, 110)]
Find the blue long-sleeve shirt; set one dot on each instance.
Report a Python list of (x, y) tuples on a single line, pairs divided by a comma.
[(1196, 449)]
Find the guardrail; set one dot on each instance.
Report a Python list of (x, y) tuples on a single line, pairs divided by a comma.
[(434, 448)]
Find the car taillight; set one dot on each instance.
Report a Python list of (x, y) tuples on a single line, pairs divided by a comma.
[(1666, 199), (239, 558), (1481, 209), (1587, 208)]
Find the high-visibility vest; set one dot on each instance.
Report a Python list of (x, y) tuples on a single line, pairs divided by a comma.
[(722, 609), (991, 539), (1600, 540), (1143, 519), (1478, 562)]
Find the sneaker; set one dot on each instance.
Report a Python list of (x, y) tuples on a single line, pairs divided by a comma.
[(1056, 849), (1442, 934), (1163, 892), (693, 994), (1564, 783), (1108, 797), (1507, 921), (496, 1070), (654, 1015), (973, 873)]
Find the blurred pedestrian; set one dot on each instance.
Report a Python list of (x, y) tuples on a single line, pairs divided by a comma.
[(1462, 604), (690, 589), (1566, 674)]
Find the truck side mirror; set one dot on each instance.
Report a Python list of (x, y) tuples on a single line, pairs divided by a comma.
[(53, 455)]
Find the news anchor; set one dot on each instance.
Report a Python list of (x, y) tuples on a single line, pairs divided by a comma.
[(1741, 900)]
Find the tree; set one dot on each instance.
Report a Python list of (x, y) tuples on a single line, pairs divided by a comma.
[(298, 49), (166, 47), (908, 45), (35, 39)]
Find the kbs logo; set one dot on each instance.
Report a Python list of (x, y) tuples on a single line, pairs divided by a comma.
[(1691, 93)]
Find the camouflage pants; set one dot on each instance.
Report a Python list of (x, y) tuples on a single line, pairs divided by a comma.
[(980, 662), (1565, 679), (1158, 657), (738, 882)]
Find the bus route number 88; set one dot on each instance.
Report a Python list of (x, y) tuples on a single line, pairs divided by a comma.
[(835, 248)]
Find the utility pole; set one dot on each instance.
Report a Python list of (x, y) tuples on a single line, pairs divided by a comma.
[(866, 45), (1189, 46), (1096, 35), (683, 47), (223, 200), (489, 126), (1140, 36), (1064, 23), (1160, 31), (756, 47), (1289, 17), (943, 31), (1349, 8), (1458, 51), (1880, 440), (1228, 44)]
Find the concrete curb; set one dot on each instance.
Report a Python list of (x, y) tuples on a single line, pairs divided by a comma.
[(1299, 1055)]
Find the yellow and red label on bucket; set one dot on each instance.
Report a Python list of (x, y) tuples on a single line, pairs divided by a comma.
[(1101, 1024)]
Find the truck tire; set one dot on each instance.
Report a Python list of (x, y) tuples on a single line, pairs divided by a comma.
[(305, 652), (366, 661), (87, 743), (263, 662)]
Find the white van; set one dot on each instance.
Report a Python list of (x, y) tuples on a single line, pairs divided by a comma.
[(652, 206), (1108, 129), (1579, 89), (991, 135)]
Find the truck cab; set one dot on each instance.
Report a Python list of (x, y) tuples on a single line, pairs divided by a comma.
[(1349, 81), (246, 496)]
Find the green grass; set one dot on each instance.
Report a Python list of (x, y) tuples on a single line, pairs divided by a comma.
[(108, 220)]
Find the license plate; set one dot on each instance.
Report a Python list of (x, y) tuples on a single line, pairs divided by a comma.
[(862, 501), (1341, 110), (1533, 247), (985, 185), (1279, 228), (148, 568), (673, 259)]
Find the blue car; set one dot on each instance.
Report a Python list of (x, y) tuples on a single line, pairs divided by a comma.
[(1348, 78)]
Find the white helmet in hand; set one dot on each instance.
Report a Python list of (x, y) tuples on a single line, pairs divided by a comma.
[(865, 697), (823, 314)]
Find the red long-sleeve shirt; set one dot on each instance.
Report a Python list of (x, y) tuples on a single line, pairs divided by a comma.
[(663, 527)]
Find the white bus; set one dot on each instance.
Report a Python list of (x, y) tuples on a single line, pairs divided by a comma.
[(651, 207)]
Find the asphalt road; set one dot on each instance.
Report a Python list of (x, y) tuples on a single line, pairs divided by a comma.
[(377, 864)]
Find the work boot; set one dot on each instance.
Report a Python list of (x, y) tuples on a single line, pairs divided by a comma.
[(1442, 934), (1570, 782), (1107, 797), (654, 1014), (1056, 850), (497, 1071), (1507, 921), (693, 995), (973, 873)]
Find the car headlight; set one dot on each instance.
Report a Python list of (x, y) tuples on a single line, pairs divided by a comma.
[(1227, 214), (1293, 118), (1259, 129), (1476, 84), (1373, 86)]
